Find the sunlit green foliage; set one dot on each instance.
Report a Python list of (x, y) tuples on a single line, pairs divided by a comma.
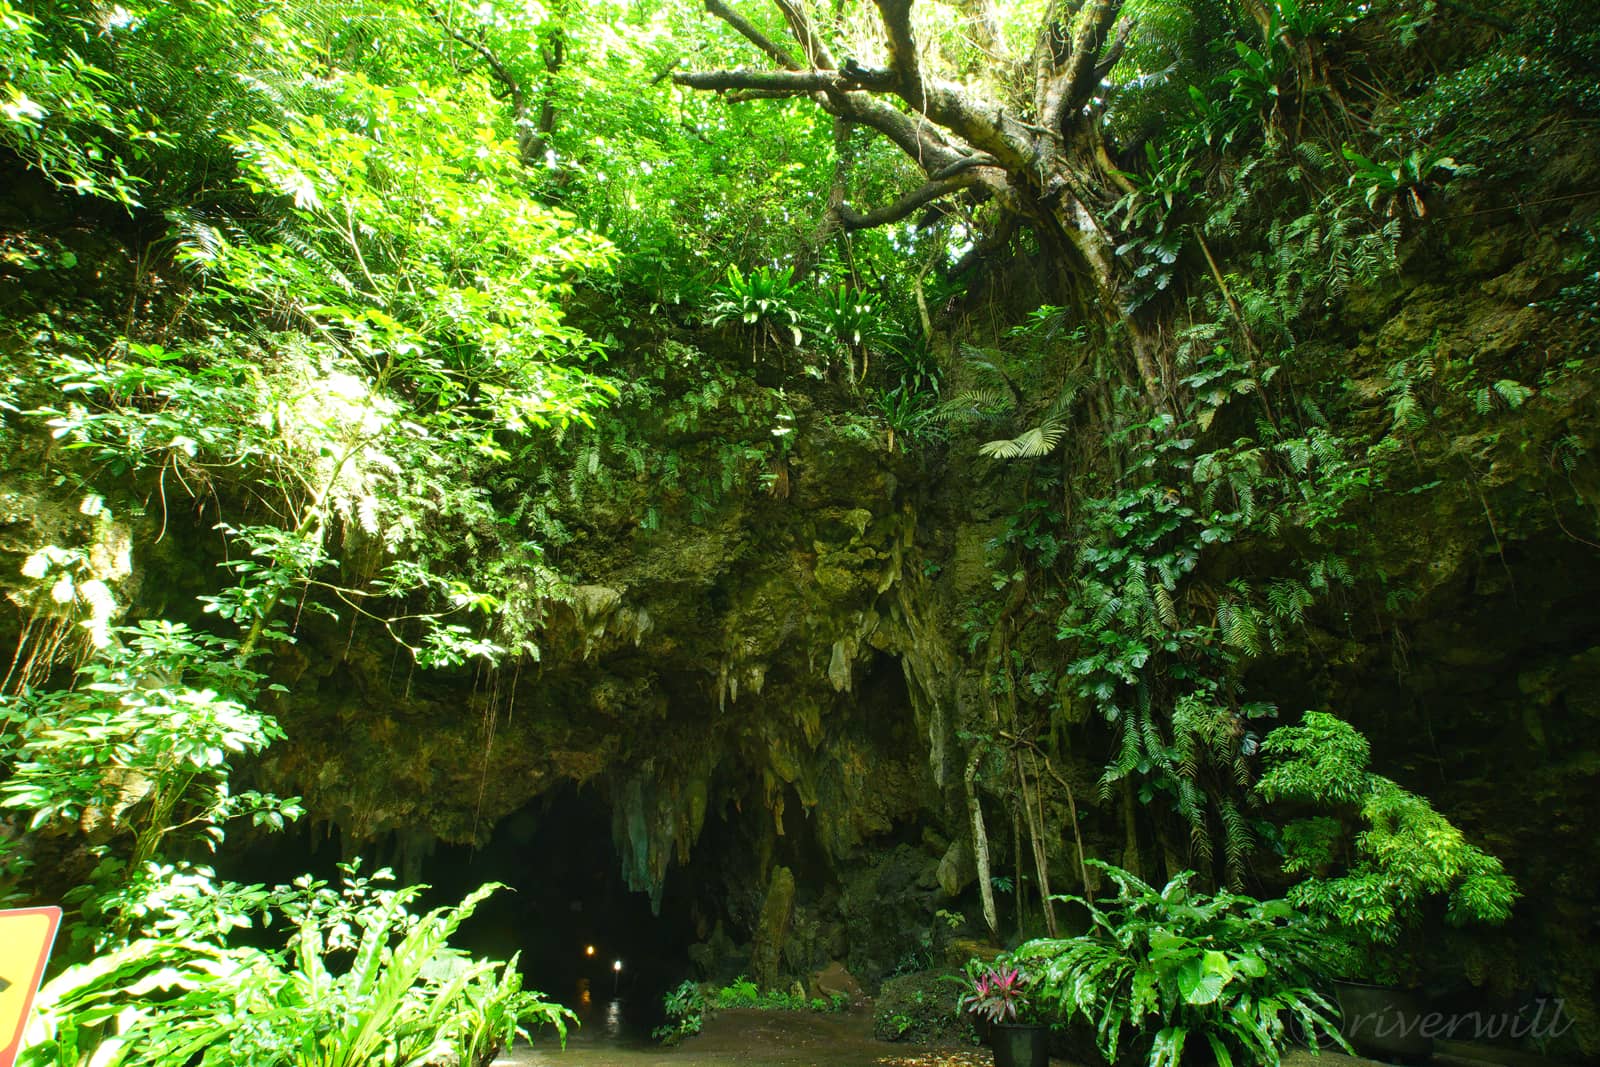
[(373, 244), (139, 753), (1406, 856), (401, 285), (350, 307), (58, 111)]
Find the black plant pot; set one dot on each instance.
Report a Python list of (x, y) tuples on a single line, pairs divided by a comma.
[(1383, 1022), (1020, 1045)]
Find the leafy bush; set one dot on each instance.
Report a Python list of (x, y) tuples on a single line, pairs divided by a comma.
[(766, 301), (56, 113), (495, 1009), (1158, 970), (140, 747), (742, 992), (688, 1007), (686, 1011), (1407, 856), (403, 997)]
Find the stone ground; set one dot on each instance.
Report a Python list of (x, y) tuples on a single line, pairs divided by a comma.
[(750, 1038)]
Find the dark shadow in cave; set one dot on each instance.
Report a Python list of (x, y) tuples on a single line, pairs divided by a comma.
[(567, 910), (564, 894)]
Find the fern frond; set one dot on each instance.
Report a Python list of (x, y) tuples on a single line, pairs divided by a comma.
[(1236, 839)]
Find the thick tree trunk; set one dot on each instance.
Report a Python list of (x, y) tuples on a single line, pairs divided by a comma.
[(1044, 163)]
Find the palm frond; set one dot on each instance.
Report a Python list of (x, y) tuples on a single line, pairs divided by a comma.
[(1038, 441)]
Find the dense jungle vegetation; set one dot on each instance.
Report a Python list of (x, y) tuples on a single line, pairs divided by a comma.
[(1050, 450)]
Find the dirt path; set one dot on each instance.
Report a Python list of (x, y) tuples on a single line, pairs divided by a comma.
[(750, 1038)]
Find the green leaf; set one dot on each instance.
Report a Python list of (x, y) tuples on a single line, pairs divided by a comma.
[(1201, 979)]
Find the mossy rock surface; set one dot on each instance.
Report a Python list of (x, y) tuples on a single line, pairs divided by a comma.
[(920, 1008)]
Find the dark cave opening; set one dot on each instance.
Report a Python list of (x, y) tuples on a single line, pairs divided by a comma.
[(565, 909), (584, 937)]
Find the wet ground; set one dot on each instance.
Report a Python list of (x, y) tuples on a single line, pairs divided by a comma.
[(750, 1038)]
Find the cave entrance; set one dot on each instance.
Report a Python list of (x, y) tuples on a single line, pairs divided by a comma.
[(569, 913)]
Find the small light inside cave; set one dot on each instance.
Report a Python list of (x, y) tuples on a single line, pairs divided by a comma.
[(588, 950), (617, 966)]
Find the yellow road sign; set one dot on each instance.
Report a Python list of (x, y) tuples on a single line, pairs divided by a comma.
[(26, 935)]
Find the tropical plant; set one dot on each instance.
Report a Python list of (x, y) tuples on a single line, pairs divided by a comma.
[(1159, 971), (363, 980), (742, 992), (1404, 183), (855, 322), (686, 1009), (138, 755), (916, 366), (496, 1010), (766, 301), (1406, 857), (997, 993), (906, 414)]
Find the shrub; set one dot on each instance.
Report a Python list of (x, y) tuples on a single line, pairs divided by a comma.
[(1407, 856), (362, 981), (686, 1011), (1159, 970)]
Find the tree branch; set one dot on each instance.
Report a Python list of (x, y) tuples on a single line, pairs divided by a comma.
[(1050, 48), (964, 163), (497, 69), (944, 102), (924, 143), (533, 135), (776, 81), (554, 56), (909, 203), (805, 32), (845, 92), (748, 31), (1077, 80), (1113, 55), (745, 96), (903, 60), (1068, 58)]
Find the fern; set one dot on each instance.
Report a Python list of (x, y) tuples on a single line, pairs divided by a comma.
[(1127, 761), (1288, 599), (1236, 623), (1166, 609), (1236, 837)]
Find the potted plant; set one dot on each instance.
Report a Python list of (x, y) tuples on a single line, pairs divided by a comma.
[(1000, 994), (1372, 888)]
